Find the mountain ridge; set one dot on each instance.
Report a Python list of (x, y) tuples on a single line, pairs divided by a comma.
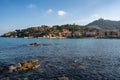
[(105, 24)]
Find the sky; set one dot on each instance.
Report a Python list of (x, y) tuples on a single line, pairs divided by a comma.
[(20, 14)]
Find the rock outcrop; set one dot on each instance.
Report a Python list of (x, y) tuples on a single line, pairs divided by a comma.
[(35, 44), (24, 66)]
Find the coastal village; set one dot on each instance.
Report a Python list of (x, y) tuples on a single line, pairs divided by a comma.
[(64, 31), (60, 40)]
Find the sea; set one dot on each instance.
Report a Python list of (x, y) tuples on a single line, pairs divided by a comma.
[(73, 59)]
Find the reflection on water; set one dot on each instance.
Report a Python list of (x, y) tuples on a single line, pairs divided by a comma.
[(76, 59)]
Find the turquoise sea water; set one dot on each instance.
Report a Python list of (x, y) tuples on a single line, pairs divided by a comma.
[(100, 58)]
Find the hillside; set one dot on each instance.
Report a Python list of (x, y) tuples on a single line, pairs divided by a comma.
[(41, 31), (105, 24)]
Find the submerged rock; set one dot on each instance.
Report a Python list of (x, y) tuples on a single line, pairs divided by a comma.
[(77, 66), (47, 44), (35, 44), (6, 78), (63, 78), (23, 66)]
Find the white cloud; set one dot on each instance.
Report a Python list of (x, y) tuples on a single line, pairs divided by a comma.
[(49, 11), (31, 6), (61, 13)]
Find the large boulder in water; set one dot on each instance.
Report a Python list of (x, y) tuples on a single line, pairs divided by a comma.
[(24, 66), (35, 44)]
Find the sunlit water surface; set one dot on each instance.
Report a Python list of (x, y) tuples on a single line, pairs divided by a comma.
[(78, 59)]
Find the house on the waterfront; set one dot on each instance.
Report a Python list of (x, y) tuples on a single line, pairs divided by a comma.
[(77, 34), (109, 34), (112, 33), (65, 33), (91, 33)]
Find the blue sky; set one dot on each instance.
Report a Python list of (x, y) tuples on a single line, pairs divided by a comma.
[(19, 14)]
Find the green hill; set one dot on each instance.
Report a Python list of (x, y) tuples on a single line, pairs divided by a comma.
[(105, 24)]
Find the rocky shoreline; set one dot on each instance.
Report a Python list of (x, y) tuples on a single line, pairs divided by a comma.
[(24, 66), (58, 69)]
